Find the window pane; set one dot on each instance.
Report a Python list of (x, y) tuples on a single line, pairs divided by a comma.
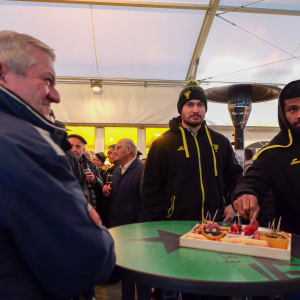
[(151, 135)]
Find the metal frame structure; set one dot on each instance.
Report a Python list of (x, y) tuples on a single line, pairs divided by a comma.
[(211, 12)]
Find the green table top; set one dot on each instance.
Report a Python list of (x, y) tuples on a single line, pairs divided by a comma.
[(149, 253)]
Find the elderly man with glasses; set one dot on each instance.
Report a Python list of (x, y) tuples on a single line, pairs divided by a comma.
[(126, 203)]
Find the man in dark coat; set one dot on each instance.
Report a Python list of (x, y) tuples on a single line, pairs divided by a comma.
[(277, 166), (52, 245), (93, 178), (126, 203), (189, 166)]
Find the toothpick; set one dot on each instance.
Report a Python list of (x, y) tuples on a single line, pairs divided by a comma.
[(238, 218), (278, 227), (269, 225), (202, 214), (272, 225), (215, 215), (210, 217), (235, 226), (206, 216), (252, 218)]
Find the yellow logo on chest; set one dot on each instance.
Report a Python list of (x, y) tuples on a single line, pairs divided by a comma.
[(216, 147), (295, 161)]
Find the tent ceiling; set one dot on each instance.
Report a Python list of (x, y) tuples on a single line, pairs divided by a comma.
[(162, 41), (158, 40)]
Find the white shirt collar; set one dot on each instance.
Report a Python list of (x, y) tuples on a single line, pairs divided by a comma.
[(125, 167)]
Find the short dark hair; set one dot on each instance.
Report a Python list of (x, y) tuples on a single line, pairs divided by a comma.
[(248, 153), (112, 146)]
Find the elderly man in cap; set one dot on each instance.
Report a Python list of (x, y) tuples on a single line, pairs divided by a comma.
[(93, 177), (52, 245)]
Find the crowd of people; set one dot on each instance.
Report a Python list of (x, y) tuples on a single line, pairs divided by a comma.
[(57, 199)]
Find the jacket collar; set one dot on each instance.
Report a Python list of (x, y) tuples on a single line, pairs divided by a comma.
[(13, 105)]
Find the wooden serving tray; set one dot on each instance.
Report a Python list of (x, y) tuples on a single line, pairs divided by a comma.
[(237, 248)]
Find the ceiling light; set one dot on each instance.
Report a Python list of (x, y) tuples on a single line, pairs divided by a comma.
[(96, 86), (157, 134), (111, 139)]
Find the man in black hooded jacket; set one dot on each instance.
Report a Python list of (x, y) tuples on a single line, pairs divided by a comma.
[(277, 166), (190, 167)]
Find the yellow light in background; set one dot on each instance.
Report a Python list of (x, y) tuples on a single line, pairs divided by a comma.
[(87, 132), (151, 135), (117, 133)]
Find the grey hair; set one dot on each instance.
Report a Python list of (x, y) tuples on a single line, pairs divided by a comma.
[(15, 51), (129, 143)]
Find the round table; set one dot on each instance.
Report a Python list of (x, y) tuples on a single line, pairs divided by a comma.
[(149, 253)]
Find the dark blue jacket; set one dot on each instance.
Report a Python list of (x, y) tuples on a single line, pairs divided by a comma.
[(50, 248), (125, 201)]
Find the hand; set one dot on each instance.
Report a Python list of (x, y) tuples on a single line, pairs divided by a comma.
[(106, 190), (90, 177), (229, 214), (247, 205)]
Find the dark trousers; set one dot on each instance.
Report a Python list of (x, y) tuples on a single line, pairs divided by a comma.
[(128, 291)]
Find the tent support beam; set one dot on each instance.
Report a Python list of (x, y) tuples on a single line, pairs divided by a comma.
[(171, 5), (208, 20), (129, 3), (265, 11)]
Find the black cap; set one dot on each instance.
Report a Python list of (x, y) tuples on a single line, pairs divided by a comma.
[(192, 91), (101, 156), (78, 137)]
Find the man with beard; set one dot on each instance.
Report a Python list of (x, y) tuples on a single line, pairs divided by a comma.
[(277, 166), (189, 167)]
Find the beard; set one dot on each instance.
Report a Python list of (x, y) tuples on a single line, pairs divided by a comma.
[(192, 123), (295, 128)]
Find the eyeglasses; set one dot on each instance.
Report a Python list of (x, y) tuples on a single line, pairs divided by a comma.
[(118, 147), (109, 152), (96, 159)]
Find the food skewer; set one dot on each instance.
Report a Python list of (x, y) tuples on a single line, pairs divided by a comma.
[(236, 229), (209, 217), (252, 218), (278, 226), (269, 225), (273, 224), (238, 218), (215, 215), (206, 216)]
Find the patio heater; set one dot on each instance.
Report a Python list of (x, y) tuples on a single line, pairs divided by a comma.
[(240, 98)]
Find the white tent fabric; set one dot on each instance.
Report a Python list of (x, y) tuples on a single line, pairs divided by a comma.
[(135, 42), (138, 105)]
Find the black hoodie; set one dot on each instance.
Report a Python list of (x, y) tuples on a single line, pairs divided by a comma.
[(277, 166), (177, 181)]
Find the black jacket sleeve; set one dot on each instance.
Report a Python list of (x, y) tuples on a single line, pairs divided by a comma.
[(255, 182), (232, 170), (155, 172), (76, 169)]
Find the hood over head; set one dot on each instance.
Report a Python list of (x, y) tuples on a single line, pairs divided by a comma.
[(290, 91)]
